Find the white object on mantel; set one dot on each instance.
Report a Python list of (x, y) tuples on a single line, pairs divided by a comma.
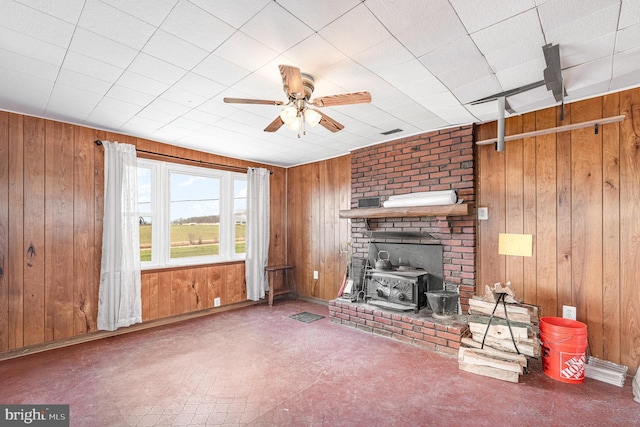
[(427, 198)]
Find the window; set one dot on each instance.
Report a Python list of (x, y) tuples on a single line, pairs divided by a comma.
[(190, 215)]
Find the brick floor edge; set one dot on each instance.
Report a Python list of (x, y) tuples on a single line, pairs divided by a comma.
[(420, 329)]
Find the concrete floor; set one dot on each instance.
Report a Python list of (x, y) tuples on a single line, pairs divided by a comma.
[(256, 366)]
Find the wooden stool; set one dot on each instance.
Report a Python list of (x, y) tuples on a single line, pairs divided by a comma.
[(289, 285)]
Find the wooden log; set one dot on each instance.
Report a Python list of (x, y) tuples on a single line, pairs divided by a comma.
[(514, 312), (478, 357), (519, 358), (488, 371), (531, 348), (499, 330)]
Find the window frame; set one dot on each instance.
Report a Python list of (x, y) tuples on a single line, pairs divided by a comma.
[(160, 214)]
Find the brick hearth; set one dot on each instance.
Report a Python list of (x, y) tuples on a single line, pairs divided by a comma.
[(421, 329)]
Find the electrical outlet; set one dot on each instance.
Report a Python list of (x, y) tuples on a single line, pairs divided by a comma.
[(216, 302), (483, 214), (315, 275), (569, 312)]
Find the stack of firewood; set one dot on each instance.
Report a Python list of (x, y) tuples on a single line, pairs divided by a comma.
[(495, 347)]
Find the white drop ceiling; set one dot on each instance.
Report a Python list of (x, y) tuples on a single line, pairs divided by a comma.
[(159, 69)]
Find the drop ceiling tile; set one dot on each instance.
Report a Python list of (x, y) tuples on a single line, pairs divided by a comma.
[(587, 74), (168, 107), (235, 51), (355, 31), (143, 84), (156, 69), (114, 24), (625, 69), (67, 110), (318, 14), (67, 10), (37, 24), (234, 13), (103, 118), (90, 66), (184, 125), (173, 50), (388, 53), (522, 74), (83, 81), (197, 84), (74, 94), (504, 50), (24, 93), (182, 97), (627, 38), (476, 15), (478, 89), (142, 124), (150, 11), (629, 13), (23, 44), (312, 54), (558, 13), (400, 15), (582, 30), (201, 116), (573, 54), (101, 48), (119, 105), (288, 32), (220, 70), (413, 77), (130, 95), (430, 34), (27, 65), (188, 22)]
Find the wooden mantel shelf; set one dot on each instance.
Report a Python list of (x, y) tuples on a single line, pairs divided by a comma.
[(410, 211)]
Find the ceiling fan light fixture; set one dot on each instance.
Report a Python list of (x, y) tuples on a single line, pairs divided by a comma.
[(288, 114), (312, 117)]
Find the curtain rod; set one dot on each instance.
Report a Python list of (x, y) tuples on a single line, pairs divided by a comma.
[(557, 129), (220, 165)]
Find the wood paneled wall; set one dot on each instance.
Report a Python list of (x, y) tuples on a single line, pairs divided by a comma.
[(577, 193), (317, 236), (51, 208)]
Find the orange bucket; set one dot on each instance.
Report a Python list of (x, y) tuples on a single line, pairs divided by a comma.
[(564, 345)]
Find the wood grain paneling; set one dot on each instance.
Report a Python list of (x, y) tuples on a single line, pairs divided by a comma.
[(580, 203), (51, 215), (315, 195), (4, 232)]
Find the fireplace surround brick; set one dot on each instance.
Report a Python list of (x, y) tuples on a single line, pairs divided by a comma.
[(438, 160)]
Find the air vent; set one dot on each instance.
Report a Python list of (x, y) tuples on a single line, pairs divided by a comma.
[(389, 132), (369, 202)]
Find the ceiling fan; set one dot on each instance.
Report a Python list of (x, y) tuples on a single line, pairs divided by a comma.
[(297, 112)]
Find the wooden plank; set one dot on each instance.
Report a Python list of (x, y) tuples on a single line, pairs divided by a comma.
[(487, 371), (531, 349), (478, 357), (611, 231), (34, 226), (164, 294), (563, 215), (587, 208), (216, 285), (410, 211), (152, 279), (529, 204), (14, 267), (144, 296), (85, 289), (630, 226), (236, 284), (514, 208), (315, 238), (490, 194), (5, 255), (545, 241), (518, 358), (181, 291)]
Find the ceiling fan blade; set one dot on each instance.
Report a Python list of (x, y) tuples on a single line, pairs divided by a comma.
[(274, 125), (328, 123), (292, 81), (251, 101), (342, 99)]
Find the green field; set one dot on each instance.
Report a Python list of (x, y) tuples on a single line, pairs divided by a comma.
[(191, 240)]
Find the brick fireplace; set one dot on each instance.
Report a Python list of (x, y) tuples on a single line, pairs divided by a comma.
[(439, 160)]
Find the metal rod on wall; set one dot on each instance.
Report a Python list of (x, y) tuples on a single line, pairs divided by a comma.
[(200, 162)]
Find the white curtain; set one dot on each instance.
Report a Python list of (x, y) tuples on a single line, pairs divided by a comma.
[(257, 233), (119, 300)]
